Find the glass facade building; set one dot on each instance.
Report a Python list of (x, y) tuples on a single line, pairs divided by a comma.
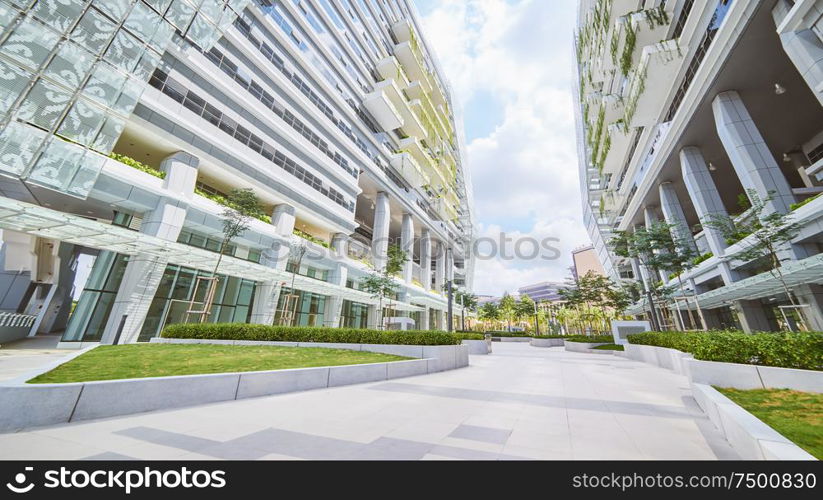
[(132, 121)]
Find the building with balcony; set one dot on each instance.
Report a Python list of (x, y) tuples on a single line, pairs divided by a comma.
[(546, 291), (124, 126), (686, 106)]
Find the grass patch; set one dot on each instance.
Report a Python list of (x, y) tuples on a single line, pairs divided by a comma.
[(163, 360), (796, 415), (609, 347)]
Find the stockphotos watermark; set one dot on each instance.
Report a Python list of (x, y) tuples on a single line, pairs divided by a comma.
[(124, 479), (497, 247)]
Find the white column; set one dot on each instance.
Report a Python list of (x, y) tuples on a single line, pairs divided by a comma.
[(424, 319), (340, 245), (707, 203), (267, 293), (425, 259), (440, 268), (407, 245), (144, 272), (283, 219), (380, 235), (675, 217), (804, 47), (334, 303), (752, 160)]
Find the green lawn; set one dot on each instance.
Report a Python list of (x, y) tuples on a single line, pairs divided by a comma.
[(162, 360), (796, 415), (610, 347)]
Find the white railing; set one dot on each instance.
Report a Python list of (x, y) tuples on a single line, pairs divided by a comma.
[(15, 320)]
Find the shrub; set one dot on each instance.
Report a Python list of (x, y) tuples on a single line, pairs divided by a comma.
[(509, 334), (786, 349), (590, 339), (243, 331), (469, 336)]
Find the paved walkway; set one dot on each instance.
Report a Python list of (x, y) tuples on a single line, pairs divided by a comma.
[(520, 402), (22, 356)]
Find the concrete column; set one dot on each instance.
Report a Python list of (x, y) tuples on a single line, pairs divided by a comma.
[(333, 310), (340, 245), (752, 160), (407, 245), (144, 272), (674, 216), (752, 316), (425, 259), (804, 48), (440, 269), (424, 320), (812, 296), (380, 235), (373, 320), (283, 218), (266, 295), (449, 265), (707, 203), (651, 218)]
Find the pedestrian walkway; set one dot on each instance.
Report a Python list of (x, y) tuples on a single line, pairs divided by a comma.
[(22, 356), (521, 402)]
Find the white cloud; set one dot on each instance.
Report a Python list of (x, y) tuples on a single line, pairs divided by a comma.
[(525, 170)]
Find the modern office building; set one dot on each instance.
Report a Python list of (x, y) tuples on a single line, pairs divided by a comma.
[(126, 124), (585, 261), (685, 106), (546, 291)]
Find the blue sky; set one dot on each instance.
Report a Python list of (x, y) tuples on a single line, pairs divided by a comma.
[(509, 63)]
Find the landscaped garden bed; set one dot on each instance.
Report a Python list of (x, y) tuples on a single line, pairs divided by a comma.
[(609, 347), (786, 350), (243, 331), (164, 360), (798, 416)]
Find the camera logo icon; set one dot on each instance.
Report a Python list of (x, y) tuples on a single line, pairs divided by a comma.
[(19, 485)]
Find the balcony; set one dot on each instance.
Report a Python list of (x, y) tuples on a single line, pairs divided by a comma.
[(379, 105), (413, 64), (651, 83), (403, 31), (389, 68), (405, 164), (411, 125)]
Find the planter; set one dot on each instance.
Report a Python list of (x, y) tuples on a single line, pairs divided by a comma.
[(514, 339), (479, 346), (31, 405), (538, 342), (731, 375), (749, 436)]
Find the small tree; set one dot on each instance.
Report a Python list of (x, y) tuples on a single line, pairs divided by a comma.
[(242, 205), (382, 283), (525, 308), (770, 232), (508, 308), (489, 312), (467, 301)]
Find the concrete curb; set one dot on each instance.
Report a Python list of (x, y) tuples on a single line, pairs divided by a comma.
[(512, 339), (34, 405), (731, 375), (749, 436)]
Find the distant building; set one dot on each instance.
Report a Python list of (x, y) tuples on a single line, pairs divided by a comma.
[(544, 291), (586, 261)]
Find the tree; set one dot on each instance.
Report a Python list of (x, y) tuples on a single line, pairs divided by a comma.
[(382, 283), (242, 205), (468, 302), (489, 312), (525, 308), (508, 308), (297, 250), (771, 232), (656, 249)]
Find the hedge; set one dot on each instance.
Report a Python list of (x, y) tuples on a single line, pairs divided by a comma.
[(243, 331), (508, 334), (590, 339), (786, 349)]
